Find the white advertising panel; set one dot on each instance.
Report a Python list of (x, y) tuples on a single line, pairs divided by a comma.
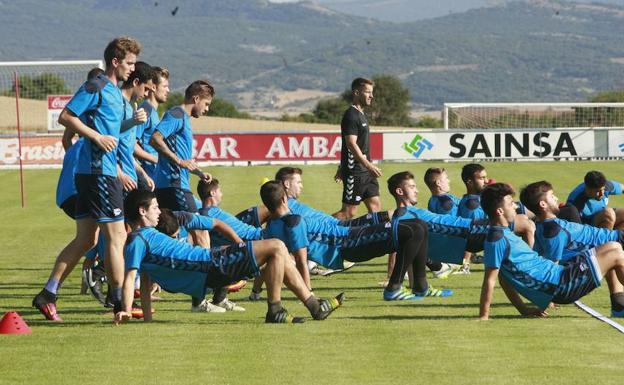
[(616, 143)]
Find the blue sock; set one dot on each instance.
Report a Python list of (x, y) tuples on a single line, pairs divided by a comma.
[(52, 286), (116, 294)]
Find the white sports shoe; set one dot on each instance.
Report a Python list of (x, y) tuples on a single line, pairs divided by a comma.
[(230, 306), (444, 272), (208, 307)]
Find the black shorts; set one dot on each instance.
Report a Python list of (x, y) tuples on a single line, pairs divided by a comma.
[(367, 220), (580, 276), (99, 197), (368, 242), (69, 206), (358, 187), (231, 264), (176, 199)]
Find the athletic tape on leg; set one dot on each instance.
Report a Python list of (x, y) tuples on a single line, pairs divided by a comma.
[(599, 316)]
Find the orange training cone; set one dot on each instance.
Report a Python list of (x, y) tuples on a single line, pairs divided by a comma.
[(12, 323)]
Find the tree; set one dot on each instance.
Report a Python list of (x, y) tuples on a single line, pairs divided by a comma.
[(616, 96), (330, 110), (39, 87), (391, 103)]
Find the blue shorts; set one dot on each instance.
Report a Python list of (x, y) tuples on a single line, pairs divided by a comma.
[(176, 199), (99, 197), (231, 264), (580, 276), (368, 242), (250, 217)]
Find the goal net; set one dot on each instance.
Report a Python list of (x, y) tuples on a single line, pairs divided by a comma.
[(533, 115), (37, 81)]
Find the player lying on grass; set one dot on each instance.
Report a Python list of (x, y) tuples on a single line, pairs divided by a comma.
[(561, 241), (591, 198), (180, 267), (331, 244), (522, 271), (176, 224)]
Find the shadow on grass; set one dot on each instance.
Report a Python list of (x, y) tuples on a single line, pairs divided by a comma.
[(442, 317)]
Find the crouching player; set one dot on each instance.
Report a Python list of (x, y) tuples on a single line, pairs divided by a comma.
[(524, 272), (180, 267), (330, 244)]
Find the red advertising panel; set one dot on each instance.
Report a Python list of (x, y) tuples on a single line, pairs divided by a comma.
[(272, 147), (58, 102), (36, 150)]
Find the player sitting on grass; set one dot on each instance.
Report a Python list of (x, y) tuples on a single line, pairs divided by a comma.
[(522, 271), (560, 240), (180, 267), (441, 201), (176, 224), (591, 198), (330, 244)]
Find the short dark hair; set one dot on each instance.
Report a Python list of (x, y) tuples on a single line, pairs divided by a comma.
[(595, 179), (358, 83), (167, 222), (285, 173), (94, 72), (493, 196), (431, 175), (137, 199), (160, 73), (204, 188), (397, 179), (119, 48), (142, 71), (469, 170), (533, 193), (272, 193), (200, 88)]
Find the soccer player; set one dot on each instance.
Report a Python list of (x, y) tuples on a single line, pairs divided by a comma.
[(147, 155), (331, 244), (357, 172), (135, 87), (522, 271), (99, 204), (441, 201), (180, 267), (591, 198), (561, 241)]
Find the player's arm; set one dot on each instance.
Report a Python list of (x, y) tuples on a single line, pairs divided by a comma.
[(139, 116), (487, 291), (225, 230), (127, 297), (128, 183), (517, 301), (359, 156), (141, 173), (158, 142), (68, 119), (146, 297), (141, 154), (301, 260)]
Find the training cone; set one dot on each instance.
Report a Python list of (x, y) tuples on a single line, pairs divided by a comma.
[(491, 181), (12, 323)]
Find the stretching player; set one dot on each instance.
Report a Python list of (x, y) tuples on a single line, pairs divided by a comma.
[(591, 198), (99, 204), (441, 201), (331, 244), (180, 267), (147, 155), (522, 271), (560, 240)]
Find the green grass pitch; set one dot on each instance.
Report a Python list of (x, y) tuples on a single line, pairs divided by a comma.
[(368, 341)]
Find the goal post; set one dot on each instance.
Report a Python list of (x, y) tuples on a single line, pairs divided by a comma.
[(533, 115)]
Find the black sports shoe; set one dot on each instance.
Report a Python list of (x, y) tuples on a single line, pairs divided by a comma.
[(283, 317), (45, 302), (327, 306), (95, 278)]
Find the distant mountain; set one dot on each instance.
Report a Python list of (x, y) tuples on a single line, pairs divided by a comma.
[(253, 50)]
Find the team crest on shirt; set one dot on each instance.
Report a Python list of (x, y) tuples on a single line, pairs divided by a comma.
[(358, 198), (387, 225), (117, 212), (583, 266)]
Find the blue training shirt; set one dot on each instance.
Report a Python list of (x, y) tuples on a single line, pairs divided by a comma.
[(560, 240), (191, 221), (102, 101), (66, 186), (176, 266), (323, 240), (243, 230), (125, 148), (470, 207), (443, 204), (532, 276), (304, 210), (144, 133), (175, 128), (588, 207), (440, 223)]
